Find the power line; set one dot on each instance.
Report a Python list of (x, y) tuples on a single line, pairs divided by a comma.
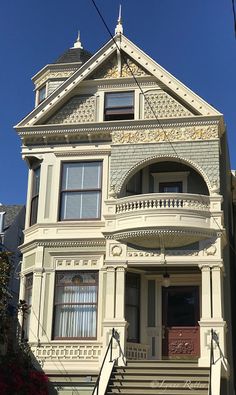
[(234, 16)]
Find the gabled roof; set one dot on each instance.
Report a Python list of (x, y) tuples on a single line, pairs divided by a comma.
[(168, 81), (11, 212)]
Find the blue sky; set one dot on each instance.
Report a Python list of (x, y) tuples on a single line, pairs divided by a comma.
[(193, 40)]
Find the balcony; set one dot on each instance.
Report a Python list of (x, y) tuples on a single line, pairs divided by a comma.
[(163, 219)]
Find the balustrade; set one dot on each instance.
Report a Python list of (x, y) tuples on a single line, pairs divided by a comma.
[(163, 201)]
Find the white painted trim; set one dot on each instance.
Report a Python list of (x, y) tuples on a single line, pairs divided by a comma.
[(178, 176)]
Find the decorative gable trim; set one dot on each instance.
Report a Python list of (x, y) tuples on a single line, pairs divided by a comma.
[(165, 78)]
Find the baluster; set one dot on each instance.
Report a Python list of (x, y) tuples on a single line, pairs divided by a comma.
[(162, 203)]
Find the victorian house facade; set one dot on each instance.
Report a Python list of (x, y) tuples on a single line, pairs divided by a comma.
[(128, 219)]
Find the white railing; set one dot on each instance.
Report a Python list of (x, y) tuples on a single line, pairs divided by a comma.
[(163, 201), (70, 352), (136, 351)]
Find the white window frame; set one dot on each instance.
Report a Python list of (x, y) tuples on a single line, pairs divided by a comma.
[(178, 176)]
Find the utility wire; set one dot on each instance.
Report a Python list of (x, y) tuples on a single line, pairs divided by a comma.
[(234, 16)]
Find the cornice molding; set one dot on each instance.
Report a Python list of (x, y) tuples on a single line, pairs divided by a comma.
[(83, 153), (107, 126), (71, 243), (142, 233), (62, 243)]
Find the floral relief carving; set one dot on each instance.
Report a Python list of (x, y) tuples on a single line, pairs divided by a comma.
[(116, 250), (78, 109), (210, 250), (181, 347), (161, 135), (162, 105), (128, 68)]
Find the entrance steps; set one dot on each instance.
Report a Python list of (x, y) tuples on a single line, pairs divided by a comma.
[(144, 377)]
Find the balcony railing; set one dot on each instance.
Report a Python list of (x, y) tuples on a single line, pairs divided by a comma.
[(163, 201), (180, 218)]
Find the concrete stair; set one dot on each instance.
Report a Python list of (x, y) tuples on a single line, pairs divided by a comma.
[(159, 377)]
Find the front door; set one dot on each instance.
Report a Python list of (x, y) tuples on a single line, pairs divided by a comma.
[(180, 322)]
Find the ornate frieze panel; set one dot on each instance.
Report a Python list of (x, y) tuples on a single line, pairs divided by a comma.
[(78, 262), (151, 253), (78, 109), (193, 133), (111, 69), (162, 105)]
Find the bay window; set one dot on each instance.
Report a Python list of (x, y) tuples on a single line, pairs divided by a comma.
[(81, 190), (75, 305)]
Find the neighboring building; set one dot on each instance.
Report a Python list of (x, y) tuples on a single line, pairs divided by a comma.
[(12, 222), (128, 219)]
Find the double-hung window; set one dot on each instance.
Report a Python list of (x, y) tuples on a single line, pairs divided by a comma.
[(35, 196), (118, 106), (75, 305), (81, 190)]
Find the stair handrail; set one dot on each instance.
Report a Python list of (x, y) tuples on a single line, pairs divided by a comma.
[(215, 339), (114, 335)]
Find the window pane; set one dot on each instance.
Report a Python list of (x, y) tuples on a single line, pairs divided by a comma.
[(36, 181), (75, 321), (42, 93), (77, 294), (90, 207), (71, 205), (72, 176), (168, 187), (81, 175), (92, 175), (121, 99), (75, 304), (79, 205)]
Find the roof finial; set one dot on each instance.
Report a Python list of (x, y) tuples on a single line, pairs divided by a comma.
[(78, 44), (119, 27)]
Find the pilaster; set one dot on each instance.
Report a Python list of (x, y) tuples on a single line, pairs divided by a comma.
[(211, 317)]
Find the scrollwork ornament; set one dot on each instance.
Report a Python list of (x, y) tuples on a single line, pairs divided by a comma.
[(210, 250), (116, 250)]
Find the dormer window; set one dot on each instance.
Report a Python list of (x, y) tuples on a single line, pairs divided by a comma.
[(119, 106), (42, 94)]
